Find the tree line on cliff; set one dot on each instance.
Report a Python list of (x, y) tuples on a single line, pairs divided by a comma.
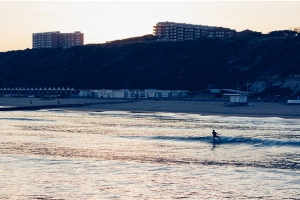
[(259, 64)]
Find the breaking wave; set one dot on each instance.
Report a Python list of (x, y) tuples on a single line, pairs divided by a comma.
[(229, 140)]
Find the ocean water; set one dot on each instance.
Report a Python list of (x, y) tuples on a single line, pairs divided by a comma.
[(59, 154)]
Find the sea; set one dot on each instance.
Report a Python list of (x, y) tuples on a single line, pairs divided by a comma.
[(63, 154)]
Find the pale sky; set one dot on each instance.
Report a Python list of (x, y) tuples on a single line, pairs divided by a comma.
[(102, 21)]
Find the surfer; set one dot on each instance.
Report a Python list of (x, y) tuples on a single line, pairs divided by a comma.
[(214, 133)]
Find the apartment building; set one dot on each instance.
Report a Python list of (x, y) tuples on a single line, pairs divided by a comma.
[(221, 32), (171, 31), (56, 39), (67, 40), (45, 40)]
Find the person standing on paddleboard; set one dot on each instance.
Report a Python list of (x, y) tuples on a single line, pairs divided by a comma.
[(214, 133)]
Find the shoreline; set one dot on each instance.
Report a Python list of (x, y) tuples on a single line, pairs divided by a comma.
[(256, 109)]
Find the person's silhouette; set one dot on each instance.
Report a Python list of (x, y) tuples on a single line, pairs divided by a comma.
[(214, 133)]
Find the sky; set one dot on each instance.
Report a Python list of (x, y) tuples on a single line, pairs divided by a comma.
[(103, 21)]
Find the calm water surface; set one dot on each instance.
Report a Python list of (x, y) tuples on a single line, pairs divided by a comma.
[(121, 155)]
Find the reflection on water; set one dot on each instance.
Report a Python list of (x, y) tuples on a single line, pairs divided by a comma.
[(104, 155)]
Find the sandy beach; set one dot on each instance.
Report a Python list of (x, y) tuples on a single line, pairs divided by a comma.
[(263, 109)]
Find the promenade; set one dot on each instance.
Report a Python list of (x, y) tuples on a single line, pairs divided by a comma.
[(11, 104)]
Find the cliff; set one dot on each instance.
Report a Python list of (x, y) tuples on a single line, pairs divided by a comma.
[(265, 65)]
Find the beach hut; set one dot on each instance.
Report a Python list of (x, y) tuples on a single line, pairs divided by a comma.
[(72, 90), (54, 91), (49, 91), (45, 91), (63, 91), (68, 91)]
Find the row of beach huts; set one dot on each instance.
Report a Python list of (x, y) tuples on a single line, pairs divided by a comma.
[(94, 93), (233, 97), (121, 93)]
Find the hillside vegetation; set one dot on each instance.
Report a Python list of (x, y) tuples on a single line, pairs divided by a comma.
[(265, 65)]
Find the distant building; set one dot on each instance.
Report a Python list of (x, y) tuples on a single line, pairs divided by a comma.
[(221, 32), (45, 40), (237, 100), (216, 94), (134, 93), (56, 39), (67, 40), (171, 31)]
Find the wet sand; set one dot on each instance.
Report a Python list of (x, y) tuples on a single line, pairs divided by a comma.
[(256, 109)]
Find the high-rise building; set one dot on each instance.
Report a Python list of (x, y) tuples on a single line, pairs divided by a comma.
[(57, 39), (45, 40), (67, 40), (171, 31)]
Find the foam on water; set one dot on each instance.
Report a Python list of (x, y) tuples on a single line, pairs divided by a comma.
[(234, 140)]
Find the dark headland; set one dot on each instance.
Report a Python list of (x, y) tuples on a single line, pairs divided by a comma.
[(263, 65)]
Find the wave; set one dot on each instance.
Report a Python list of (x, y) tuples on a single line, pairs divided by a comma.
[(234, 140), (23, 119)]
